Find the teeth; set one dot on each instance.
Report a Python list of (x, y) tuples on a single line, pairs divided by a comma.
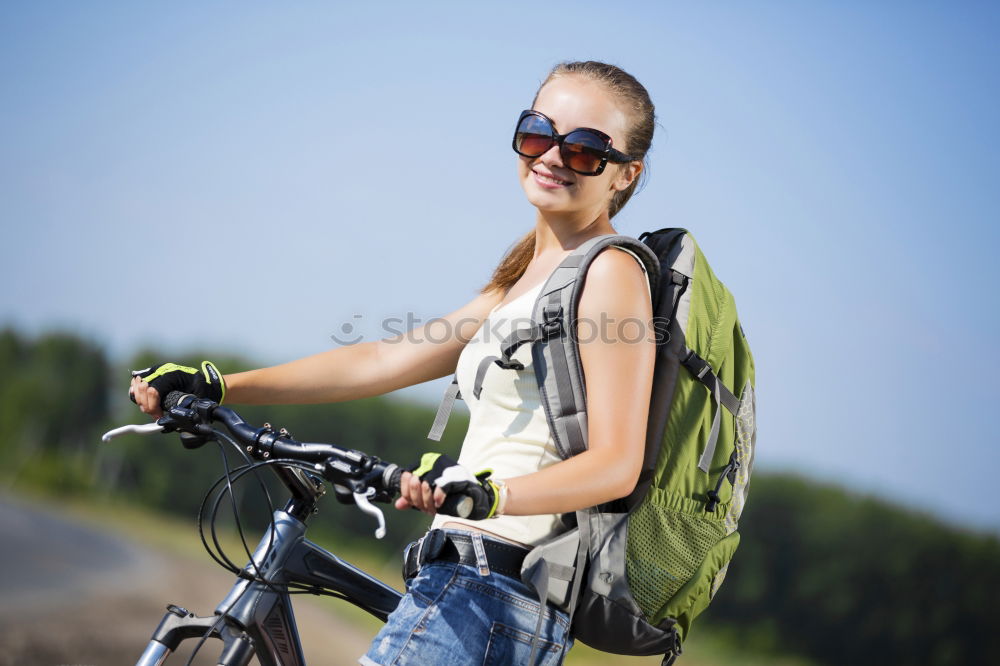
[(550, 179)]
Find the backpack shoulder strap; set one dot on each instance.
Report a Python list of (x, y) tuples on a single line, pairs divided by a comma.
[(555, 352)]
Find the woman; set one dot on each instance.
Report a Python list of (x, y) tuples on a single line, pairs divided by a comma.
[(457, 611)]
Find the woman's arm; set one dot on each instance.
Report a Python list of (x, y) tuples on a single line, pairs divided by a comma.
[(366, 369), (618, 367), (353, 371)]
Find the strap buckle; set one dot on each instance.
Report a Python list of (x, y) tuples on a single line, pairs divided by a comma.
[(550, 326), (698, 366), (673, 652), (552, 320), (509, 364)]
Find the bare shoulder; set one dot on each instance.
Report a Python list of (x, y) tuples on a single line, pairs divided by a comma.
[(615, 280)]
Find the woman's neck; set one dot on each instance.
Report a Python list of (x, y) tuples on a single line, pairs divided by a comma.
[(558, 234)]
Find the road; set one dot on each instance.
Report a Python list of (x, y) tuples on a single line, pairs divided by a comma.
[(74, 593), (47, 558)]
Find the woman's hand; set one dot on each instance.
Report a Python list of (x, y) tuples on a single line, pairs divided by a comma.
[(418, 494), (147, 397), (438, 484), (156, 382)]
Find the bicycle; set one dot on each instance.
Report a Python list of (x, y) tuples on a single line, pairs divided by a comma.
[(256, 617)]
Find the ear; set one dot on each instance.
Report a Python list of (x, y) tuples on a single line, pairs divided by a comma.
[(627, 173)]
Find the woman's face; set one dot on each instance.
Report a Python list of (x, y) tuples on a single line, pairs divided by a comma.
[(572, 102)]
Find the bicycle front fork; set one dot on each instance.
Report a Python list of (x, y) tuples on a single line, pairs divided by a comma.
[(179, 625)]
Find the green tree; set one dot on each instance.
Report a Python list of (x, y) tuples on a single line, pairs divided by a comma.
[(53, 402), (848, 579)]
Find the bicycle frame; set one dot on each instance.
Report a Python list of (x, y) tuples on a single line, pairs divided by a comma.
[(257, 619)]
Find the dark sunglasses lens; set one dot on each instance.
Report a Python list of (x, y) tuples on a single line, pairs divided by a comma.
[(583, 151), (533, 136)]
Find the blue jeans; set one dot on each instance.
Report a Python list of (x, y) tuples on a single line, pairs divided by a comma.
[(451, 614)]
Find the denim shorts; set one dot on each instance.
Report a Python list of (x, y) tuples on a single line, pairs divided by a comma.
[(453, 614)]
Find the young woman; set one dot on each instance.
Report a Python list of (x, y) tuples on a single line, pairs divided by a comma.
[(581, 148)]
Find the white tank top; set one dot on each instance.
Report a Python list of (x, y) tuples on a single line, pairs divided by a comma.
[(508, 432)]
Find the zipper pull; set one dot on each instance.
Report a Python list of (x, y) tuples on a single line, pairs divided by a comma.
[(728, 472)]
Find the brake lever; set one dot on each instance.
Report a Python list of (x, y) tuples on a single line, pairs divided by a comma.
[(361, 499), (144, 429)]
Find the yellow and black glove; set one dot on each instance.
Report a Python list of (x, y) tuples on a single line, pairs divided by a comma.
[(472, 496), (205, 382)]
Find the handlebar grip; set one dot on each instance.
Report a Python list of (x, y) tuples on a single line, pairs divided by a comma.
[(455, 504), (458, 505), (172, 399), (394, 474)]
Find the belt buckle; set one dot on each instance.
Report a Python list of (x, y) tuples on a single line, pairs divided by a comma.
[(431, 546), (425, 549), (410, 564)]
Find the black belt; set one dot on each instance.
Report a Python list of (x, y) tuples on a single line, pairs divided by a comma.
[(441, 546)]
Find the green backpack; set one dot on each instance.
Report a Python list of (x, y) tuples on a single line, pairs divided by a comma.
[(652, 561)]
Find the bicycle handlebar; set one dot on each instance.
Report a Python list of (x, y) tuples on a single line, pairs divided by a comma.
[(365, 476), (354, 469)]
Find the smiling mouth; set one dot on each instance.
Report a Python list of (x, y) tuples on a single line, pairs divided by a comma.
[(551, 180)]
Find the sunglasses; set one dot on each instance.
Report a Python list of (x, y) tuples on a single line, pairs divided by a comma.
[(584, 150)]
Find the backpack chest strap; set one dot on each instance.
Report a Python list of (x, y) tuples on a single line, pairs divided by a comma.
[(550, 326)]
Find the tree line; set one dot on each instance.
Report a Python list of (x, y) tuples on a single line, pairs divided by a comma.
[(823, 572)]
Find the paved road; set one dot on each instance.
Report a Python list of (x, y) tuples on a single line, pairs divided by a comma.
[(71, 593), (45, 557)]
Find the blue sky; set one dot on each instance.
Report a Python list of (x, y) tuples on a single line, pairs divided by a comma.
[(251, 176)]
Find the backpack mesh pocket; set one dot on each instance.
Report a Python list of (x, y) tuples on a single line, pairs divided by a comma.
[(665, 549)]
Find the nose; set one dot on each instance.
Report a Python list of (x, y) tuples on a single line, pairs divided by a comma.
[(552, 156)]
